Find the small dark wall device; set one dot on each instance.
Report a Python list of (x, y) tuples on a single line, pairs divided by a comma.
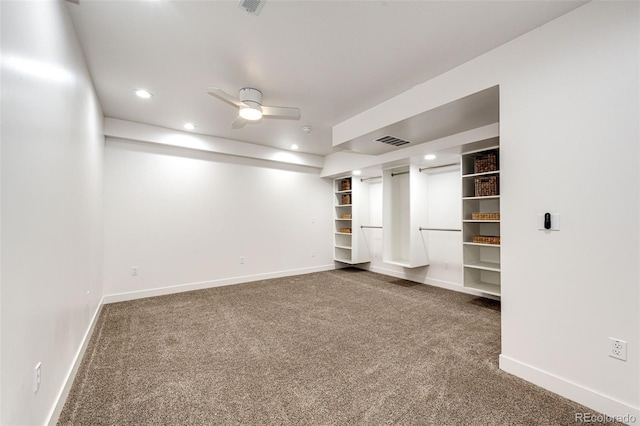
[(547, 221)]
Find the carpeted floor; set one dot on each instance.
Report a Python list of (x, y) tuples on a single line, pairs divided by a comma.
[(331, 348)]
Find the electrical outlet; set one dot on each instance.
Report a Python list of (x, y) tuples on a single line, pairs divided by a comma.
[(242, 260), (38, 377), (134, 271), (617, 348)]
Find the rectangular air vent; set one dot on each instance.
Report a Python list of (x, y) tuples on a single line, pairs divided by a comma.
[(392, 140), (252, 6)]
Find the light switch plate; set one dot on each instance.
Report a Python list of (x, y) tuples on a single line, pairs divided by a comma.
[(555, 222)]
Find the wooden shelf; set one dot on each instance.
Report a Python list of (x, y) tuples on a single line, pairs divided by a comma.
[(467, 243), (474, 175), (486, 197), (487, 266), (404, 264), (480, 221), (488, 288), (344, 260)]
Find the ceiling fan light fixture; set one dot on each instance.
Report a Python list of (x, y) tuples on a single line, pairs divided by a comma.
[(250, 108), (251, 113)]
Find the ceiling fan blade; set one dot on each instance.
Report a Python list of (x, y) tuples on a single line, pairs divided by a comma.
[(238, 123), (284, 112), (214, 91)]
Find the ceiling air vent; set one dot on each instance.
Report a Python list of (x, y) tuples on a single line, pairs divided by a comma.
[(392, 140), (252, 6)]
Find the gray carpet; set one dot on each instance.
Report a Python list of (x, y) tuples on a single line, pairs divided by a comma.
[(331, 348)]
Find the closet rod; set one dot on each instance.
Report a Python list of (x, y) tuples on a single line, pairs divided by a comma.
[(440, 229), (370, 226), (437, 167), (399, 173), (369, 178)]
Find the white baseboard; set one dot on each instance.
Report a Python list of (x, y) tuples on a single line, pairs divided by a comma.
[(448, 285), (618, 410), (71, 375), (161, 291)]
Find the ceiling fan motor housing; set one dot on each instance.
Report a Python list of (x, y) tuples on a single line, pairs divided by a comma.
[(250, 96)]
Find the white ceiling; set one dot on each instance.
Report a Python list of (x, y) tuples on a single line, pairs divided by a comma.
[(333, 59)]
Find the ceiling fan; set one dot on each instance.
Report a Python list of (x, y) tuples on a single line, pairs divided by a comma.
[(250, 106)]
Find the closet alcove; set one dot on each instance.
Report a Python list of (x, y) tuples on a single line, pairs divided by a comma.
[(422, 218)]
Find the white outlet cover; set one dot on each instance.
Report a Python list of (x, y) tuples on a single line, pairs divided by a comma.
[(617, 348)]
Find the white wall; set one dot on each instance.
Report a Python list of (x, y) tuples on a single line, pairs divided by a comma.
[(572, 114), (185, 218), (51, 177), (569, 108)]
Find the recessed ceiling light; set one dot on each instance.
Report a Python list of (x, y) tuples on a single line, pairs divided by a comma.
[(356, 172), (189, 126), (307, 129), (430, 157), (144, 94), (294, 147)]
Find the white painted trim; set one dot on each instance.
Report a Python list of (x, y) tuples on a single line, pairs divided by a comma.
[(448, 285), (127, 130), (161, 291), (71, 375), (573, 391)]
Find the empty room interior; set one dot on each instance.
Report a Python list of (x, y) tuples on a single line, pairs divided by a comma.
[(320, 212)]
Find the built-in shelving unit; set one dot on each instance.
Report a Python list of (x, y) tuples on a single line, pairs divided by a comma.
[(351, 211), (481, 220), (404, 210)]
